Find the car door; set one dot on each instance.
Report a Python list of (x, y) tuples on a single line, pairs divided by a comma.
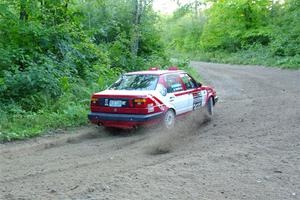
[(175, 93), (196, 95)]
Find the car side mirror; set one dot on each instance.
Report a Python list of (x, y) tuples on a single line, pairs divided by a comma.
[(199, 84)]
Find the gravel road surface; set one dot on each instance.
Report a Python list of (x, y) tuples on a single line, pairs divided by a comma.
[(250, 150)]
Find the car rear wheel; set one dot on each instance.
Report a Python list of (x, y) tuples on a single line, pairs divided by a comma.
[(169, 119)]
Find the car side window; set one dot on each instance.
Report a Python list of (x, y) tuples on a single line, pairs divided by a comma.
[(173, 83), (188, 81)]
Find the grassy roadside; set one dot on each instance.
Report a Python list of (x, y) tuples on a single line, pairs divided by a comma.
[(243, 57), (68, 111)]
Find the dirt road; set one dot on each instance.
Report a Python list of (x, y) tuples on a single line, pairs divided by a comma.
[(251, 150)]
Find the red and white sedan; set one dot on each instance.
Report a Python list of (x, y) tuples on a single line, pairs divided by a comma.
[(150, 97)]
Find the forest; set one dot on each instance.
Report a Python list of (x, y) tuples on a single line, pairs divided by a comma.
[(264, 32), (55, 53)]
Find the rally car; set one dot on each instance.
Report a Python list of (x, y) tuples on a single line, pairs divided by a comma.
[(150, 97)]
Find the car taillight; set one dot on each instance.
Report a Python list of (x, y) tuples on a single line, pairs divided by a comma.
[(144, 103), (94, 101), (140, 101)]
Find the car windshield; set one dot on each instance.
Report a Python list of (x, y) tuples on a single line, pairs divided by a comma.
[(136, 82)]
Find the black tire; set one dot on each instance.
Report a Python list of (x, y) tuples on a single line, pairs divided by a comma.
[(210, 106), (209, 109), (169, 120)]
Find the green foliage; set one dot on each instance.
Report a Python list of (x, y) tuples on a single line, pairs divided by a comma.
[(232, 25), (183, 30), (55, 53), (241, 31)]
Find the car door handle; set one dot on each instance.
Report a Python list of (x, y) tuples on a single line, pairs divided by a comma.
[(171, 99)]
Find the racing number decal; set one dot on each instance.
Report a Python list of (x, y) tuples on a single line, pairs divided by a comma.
[(199, 99)]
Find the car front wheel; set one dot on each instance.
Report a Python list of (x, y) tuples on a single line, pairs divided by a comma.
[(209, 108), (169, 119)]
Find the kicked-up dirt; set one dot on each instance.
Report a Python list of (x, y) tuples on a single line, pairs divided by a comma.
[(250, 150)]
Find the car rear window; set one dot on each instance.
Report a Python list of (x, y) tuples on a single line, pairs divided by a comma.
[(136, 82)]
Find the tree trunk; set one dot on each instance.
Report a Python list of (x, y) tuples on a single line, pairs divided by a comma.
[(23, 13), (137, 8)]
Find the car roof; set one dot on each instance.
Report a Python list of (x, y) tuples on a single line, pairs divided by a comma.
[(156, 72)]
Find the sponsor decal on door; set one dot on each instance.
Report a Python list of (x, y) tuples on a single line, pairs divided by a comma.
[(199, 99)]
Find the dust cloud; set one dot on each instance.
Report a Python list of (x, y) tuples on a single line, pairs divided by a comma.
[(165, 141)]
